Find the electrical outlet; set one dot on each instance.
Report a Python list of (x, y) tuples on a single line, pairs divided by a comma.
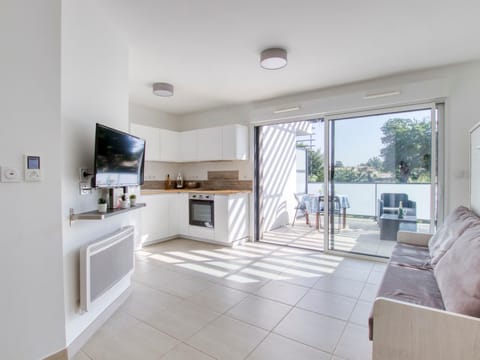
[(10, 174)]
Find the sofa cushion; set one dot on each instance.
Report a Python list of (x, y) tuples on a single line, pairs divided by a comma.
[(408, 282), (455, 224), (413, 256), (457, 274)]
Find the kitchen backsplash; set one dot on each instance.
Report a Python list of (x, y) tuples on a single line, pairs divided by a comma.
[(218, 180)]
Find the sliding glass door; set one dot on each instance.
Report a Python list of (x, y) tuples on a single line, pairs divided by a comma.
[(382, 178)]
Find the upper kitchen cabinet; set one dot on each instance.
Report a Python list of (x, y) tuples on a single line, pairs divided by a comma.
[(234, 142), (209, 144), (152, 137), (188, 146), (169, 145), (228, 142)]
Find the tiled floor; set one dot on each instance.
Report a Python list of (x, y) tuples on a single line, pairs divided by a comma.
[(193, 300)]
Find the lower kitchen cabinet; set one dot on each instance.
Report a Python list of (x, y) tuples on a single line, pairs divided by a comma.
[(167, 215), (164, 217), (231, 218)]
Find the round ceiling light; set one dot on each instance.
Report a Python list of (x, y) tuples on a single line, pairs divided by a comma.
[(163, 89), (273, 58)]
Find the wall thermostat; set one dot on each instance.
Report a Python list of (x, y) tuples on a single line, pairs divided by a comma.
[(32, 168)]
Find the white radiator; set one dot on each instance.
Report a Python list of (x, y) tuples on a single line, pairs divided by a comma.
[(104, 263)]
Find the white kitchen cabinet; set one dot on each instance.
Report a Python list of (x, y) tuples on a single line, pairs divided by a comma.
[(155, 218), (181, 213), (209, 142), (234, 142), (169, 145), (231, 218), (151, 135), (188, 146)]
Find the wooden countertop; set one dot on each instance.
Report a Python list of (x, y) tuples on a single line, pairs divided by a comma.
[(197, 191)]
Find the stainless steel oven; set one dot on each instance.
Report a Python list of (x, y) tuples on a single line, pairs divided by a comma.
[(201, 210)]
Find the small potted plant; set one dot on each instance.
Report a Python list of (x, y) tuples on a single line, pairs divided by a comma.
[(124, 201), (133, 200), (102, 205)]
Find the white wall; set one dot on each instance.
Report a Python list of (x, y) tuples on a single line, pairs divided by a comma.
[(94, 89), (31, 301), (238, 114), (153, 117)]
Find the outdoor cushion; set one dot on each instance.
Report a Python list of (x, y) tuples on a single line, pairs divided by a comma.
[(457, 274), (453, 227)]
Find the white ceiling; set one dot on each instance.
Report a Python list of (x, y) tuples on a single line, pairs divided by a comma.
[(209, 49)]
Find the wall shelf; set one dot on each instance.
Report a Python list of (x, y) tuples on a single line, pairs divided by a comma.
[(95, 215)]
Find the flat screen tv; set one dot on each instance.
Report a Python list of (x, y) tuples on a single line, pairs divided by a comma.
[(119, 158)]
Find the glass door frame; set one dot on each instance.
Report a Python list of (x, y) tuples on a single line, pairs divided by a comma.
[(437, 160)]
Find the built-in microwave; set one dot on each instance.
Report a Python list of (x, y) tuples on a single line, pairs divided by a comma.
[(201, 210)]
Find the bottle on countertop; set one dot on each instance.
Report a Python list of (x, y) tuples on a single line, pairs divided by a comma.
[(168, 184), (179, 181)]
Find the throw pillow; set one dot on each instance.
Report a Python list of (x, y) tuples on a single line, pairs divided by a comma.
[(457, 274), (454, 225)]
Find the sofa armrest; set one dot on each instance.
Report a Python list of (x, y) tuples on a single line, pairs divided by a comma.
[(408, 331), (413, 238)]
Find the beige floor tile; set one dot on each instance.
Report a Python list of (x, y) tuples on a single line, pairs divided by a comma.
[(81, 356), (352, 273), (180, 320), (276, 347), (381, 267), (361, 313), (125, 338), (218, 298), (283, 292), (305, 279), (329, 304), (242, 282), (172, 282), (369, 292), (356, 263), (340, 286), (319, 331), (145, 300), (185, 352), (259, 311), (375, 277), (354, 344), (227, 339)]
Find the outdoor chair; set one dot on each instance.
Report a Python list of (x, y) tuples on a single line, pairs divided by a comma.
[(390, 202), (301, 206)]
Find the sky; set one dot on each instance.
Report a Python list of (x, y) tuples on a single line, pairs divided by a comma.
[(359, 139)]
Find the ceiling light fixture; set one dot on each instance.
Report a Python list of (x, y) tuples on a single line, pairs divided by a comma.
[(273, 58), (163, 89)]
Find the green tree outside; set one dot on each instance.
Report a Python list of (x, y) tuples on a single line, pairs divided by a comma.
[(407, 149)]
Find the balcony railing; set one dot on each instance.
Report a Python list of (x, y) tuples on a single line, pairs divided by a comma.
[(363, 197)]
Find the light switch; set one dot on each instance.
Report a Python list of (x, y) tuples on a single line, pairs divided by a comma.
[(10, 174)]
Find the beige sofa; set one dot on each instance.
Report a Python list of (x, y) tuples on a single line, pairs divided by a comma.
[(428, 303)]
